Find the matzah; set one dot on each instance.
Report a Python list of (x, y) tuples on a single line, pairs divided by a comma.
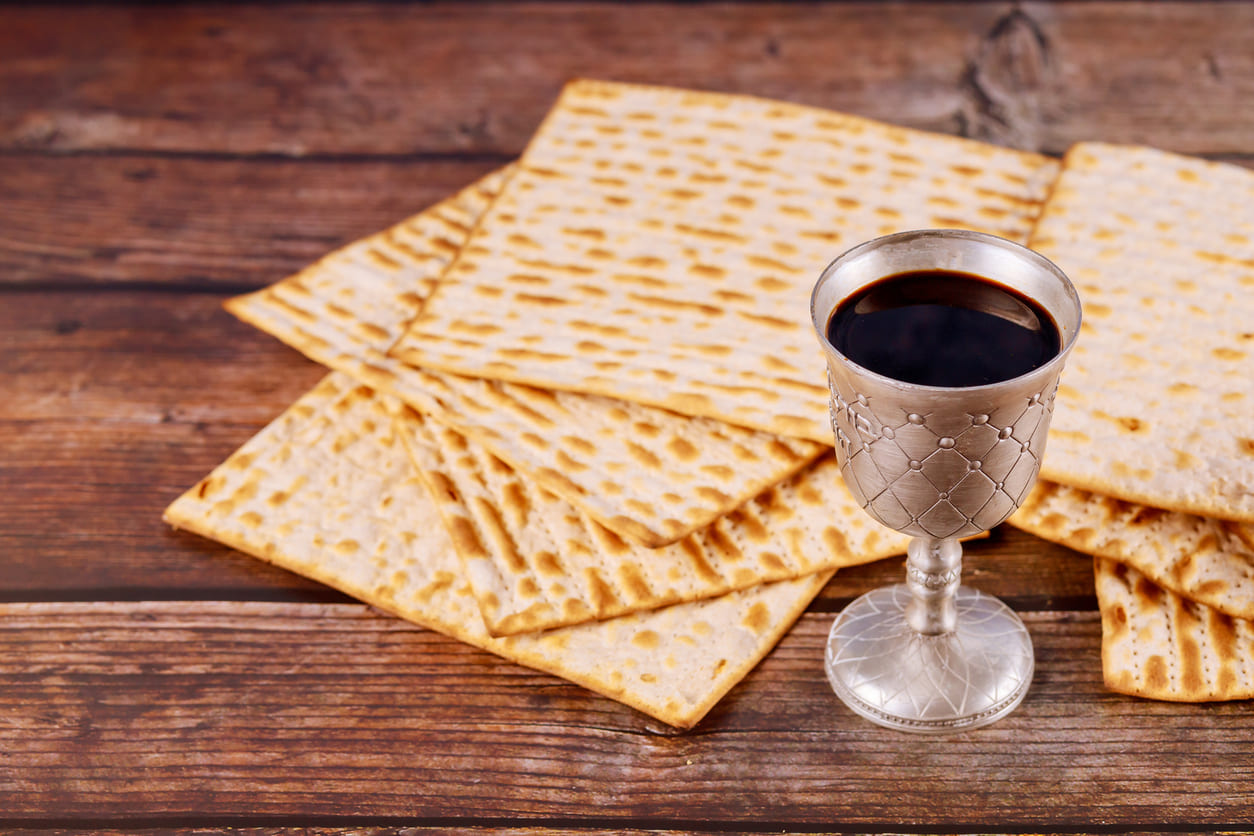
[(660, 245), (327, 491), (1156, 405), (1206, 560), (647, 474), (1159, 645), (535, 562)]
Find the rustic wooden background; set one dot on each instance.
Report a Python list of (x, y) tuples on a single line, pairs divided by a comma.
[(154, 160)]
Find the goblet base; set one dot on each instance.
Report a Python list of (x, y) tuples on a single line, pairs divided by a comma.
[(894, 676)]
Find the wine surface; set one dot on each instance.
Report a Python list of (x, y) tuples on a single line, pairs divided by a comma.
[(943, 328)]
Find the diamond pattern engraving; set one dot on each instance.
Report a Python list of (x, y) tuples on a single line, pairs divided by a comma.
[(994, 511), (943, 519), (1004, 416), (917, 441), (871, 482), (888, 509), (1026, 426), (911, 486), (944, 467), (939, 473), (998, 461), (948, 424), (973, 491), (977, 441)]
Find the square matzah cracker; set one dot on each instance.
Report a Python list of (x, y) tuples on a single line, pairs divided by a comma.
[(328, 492), (660, 246), (650, 475), (1156, 405), (1156, 644), (1206, 560), (535, 562)]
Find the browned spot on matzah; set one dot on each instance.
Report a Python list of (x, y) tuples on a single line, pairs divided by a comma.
[(515, 501), (568, 463), (614, 544), (242, 461), (732, 296), (1210, 588), (754, 528), (1224, 637), (683, 449), (1156, 673), (465, 539), (634, 583), (580, 444), (725, 545), (648, 429), (542, 301), (547, 563), (575, 610), (488, 515), (809, 494), (519, 240), (643, 455), (693, 551), (601, 594), (773, 561), (757, 619), (1187, 625), (642, 507), (646, 639), (834, 540)]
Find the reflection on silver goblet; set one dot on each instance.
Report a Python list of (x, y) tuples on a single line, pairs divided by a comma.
[(939, 463)]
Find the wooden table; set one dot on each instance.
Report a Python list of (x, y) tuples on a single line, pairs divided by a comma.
[(155, 160)]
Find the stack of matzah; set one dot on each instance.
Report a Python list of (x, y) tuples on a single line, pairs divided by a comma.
[(1156, 407), (577, 417)]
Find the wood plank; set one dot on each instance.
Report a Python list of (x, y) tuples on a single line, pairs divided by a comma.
[(451, 78), (117, 711), (114, 404), (202, 222), (146, 357), (346, 830), (193, 223), (117, 402)]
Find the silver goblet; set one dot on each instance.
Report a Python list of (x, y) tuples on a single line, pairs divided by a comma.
[(940, 464)]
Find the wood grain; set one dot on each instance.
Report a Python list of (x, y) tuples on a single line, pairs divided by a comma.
[(453, 78), (131, 710), (155, 158), (199, 223)]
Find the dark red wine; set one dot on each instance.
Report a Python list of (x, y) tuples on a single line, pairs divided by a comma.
[(943, 328)]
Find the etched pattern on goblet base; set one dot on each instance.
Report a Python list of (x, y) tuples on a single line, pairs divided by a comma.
[(889, 673)]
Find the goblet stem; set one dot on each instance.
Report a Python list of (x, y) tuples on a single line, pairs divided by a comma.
[(933, 572), (929, 655)]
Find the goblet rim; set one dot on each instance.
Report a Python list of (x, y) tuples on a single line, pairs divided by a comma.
[(1046, 370)]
